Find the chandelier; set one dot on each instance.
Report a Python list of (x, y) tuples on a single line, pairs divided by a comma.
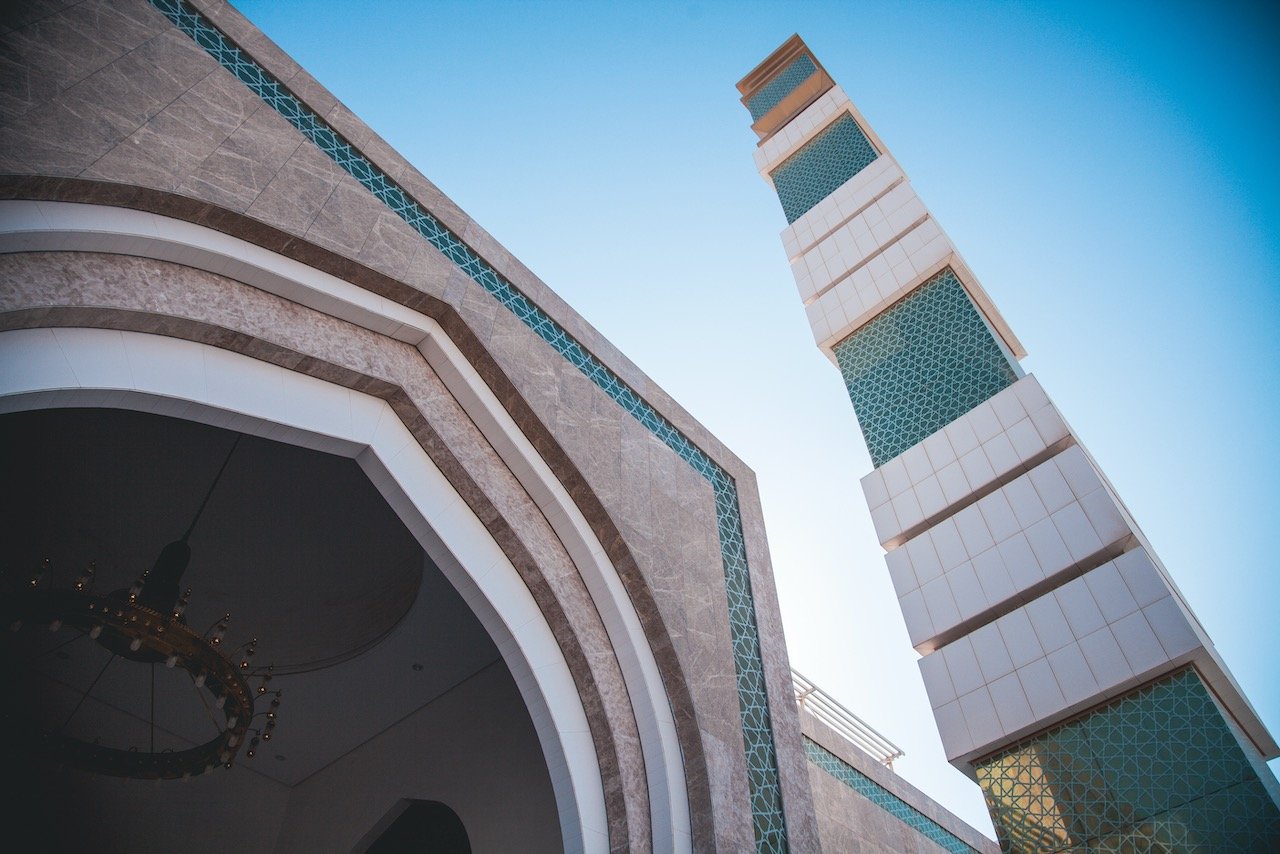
[(146, 624)]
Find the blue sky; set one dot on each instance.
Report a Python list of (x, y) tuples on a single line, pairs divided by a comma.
[(1107, 170)]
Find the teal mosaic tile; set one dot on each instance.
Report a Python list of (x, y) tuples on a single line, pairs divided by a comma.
[(1157, 770), (772, 93), (757, 729), (883, 798), (821, 165), (919, 365)]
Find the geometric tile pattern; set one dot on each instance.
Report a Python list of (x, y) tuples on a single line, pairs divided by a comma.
[(919, 365), (821, 165), (1156, 770), (772, 93), (757, 728), (883, 798)]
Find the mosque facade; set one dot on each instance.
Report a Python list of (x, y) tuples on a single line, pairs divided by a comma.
[(468, 574), (472, 581)]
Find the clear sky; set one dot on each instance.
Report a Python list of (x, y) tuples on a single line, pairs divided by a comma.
[(1108, 170)]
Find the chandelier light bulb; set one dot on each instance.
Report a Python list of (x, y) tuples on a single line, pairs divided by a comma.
[(86, 578)]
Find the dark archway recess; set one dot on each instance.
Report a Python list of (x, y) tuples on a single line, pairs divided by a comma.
[(425, 827), (392, 686), (284, 524)]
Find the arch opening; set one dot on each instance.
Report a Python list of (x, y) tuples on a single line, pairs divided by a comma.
[(317, 414), (388, 681), (63, 226), (422, 827)]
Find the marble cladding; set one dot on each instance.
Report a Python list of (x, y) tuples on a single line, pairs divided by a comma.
[(1089, 640), (992, 443), (849, 821)]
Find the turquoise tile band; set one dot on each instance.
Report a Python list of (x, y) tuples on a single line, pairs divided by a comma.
[(1156, 770), (919, 365), (757, 729), (821, 165)]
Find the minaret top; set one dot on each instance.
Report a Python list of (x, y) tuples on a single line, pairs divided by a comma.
[(778, 89)]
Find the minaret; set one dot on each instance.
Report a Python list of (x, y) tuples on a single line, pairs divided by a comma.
[(1066, 673)]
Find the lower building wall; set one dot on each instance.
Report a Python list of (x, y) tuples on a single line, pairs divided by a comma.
[(848, 822), (863, 806), (852, 816), (1158, 769)]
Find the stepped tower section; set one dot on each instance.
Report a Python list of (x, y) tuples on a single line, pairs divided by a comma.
[(1067, 674)]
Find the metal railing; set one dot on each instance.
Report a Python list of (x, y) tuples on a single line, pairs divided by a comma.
[(858, 732)]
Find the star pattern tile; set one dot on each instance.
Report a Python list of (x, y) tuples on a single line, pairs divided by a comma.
[(1158, 770), (919, 365), (821, 165)]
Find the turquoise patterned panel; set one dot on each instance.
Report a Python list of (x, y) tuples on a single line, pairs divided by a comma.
[(821, 165), (772, 93), (1157, 770), (883, 798), (757, 729), (920, 365)]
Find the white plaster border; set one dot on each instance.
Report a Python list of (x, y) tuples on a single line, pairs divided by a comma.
[(62, 226)]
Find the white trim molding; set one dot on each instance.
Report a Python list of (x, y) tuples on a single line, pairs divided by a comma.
[(92, 367)]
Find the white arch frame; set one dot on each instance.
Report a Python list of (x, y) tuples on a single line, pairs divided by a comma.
[(156, 373), (56, 368)]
